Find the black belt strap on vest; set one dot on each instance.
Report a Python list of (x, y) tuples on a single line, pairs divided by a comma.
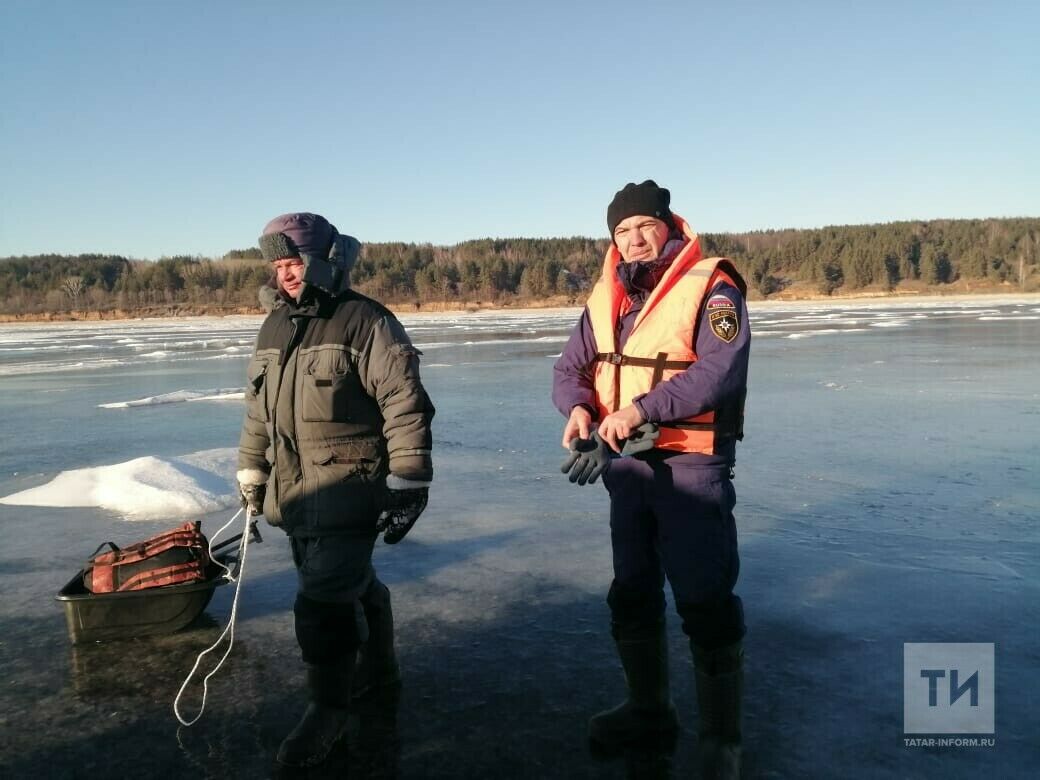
[(658, 364), (729, 419)]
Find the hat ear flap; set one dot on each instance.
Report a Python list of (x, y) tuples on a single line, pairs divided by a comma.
[(344, 251), (343, 255)]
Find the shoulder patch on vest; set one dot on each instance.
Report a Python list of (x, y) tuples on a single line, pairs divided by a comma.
[(724, 322)]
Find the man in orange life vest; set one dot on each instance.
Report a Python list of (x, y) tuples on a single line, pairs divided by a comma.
[(662, 347)]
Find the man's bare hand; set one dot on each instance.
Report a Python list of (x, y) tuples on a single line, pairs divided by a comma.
[(619, 425), (579, 425)]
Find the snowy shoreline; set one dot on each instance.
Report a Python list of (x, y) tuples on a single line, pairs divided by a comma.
[(855, 300)]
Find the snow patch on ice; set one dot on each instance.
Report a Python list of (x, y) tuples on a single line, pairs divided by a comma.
[(148, 488), (1009, 317), (889, 324), (542, 339), (822, 332), (181, 396)]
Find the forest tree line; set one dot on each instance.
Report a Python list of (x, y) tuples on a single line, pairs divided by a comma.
[(524, 270)]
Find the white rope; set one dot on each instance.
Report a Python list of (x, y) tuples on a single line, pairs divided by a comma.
[(209, 551), (229, 629)]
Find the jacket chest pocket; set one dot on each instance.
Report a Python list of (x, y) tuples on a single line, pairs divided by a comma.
[(256, 390), (329, 393)]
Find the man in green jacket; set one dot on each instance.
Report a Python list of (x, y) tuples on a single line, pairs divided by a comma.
[(335, 449)]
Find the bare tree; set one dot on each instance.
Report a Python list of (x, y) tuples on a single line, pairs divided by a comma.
[(73, 287)]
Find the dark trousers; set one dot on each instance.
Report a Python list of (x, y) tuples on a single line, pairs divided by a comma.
[(674, 521), (334, 575), (332, 552)]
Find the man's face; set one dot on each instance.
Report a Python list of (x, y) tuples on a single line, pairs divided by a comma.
[(640, 239), (290, 276)]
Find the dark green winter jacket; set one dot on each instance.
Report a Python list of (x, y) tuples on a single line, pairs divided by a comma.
[(334, 402)]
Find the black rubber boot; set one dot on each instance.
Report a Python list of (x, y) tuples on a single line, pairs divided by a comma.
[(720, 685), (647, 717), (377, 750), (377, 663), (325, 719)]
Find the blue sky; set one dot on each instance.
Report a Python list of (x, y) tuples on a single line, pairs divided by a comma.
[(149, 129)]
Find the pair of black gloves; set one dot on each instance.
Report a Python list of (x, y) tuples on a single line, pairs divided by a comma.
[(590, 457), (401, 508)]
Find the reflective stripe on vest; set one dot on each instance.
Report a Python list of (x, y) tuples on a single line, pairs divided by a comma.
[(662, 341)]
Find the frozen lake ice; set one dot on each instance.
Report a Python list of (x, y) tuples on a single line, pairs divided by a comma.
[(886, 494)]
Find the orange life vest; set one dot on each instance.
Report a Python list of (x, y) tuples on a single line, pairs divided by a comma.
[(662, 342)]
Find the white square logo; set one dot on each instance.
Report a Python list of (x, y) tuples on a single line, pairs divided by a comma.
[(948, 688)]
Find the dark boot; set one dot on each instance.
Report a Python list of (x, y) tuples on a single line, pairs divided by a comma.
[(720, 684), (325, 719), (376, 751), (647, 717), (377, 663)]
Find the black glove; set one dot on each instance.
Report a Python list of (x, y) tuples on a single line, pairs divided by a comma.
[(401, 508), (253, 497), (588, 459), (641, 439)]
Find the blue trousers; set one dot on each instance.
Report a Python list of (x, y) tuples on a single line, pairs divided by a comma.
[(671, 519)]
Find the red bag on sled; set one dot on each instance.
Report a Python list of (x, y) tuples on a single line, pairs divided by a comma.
[(171, 558)]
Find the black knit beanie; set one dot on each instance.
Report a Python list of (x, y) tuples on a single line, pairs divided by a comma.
[(643, 200), (295, 235)]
